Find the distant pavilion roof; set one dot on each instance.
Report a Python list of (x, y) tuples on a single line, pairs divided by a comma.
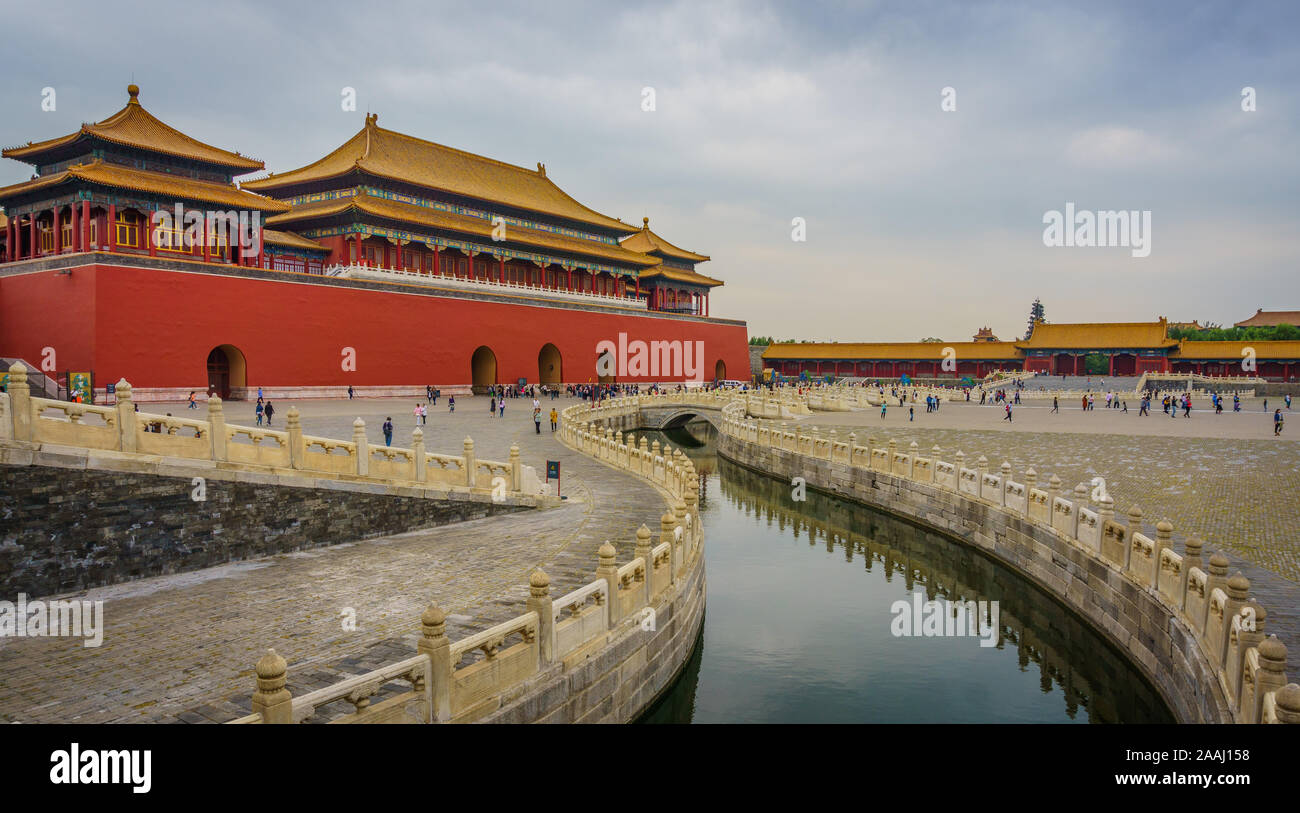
[(133, 126), (646, 242), (1191, 350), (392, 155), (922, 351), (141, 180), (1086, 336), (1263, 318), (436, 218)]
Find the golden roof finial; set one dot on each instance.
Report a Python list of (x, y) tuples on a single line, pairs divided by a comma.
[(133, 91), (645, 223)]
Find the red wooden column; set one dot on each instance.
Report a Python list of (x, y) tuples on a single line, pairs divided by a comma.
[(112, 227), (203, 237), (85, 225), (11, 232), (58, 235), (437, 261), (569, 283), (76, 228), (147, 227), (1112, 364), (502, 261), (261, 249), (34, 248), (638, 287)]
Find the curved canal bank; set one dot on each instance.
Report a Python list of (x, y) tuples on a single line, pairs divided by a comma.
[(801, 623)]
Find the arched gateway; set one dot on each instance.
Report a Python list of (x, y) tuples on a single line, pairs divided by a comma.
[(550, 367), (226, 370), (483, 367)]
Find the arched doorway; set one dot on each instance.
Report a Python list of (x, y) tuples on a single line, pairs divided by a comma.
[(720, 371), (550, 368), (483, 366), (606, 361), (227, 371)]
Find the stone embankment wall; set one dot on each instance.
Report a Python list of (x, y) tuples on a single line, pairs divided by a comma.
[(67, 527)]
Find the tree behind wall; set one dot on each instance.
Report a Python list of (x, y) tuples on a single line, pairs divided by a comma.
[(1036, 312)]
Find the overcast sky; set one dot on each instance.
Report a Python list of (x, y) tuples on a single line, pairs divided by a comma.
[(920, 222)]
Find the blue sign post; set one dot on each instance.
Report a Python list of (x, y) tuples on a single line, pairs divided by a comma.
[(553, 470)]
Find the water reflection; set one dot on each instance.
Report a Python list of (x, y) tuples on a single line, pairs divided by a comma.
[(798, 627)]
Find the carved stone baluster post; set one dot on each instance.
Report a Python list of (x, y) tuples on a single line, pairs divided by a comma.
[(434, 644), (363, 447), (1287, 702), (644, 549), (419, 464), (539, 601), (272, 700), (20, 401), (128, 431), (666, 525), (216, 427), (516, 470), (471, 465), (1191, 559), (608, 571), (297, 450)]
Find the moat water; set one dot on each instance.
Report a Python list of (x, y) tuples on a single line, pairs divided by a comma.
[(802, 615)]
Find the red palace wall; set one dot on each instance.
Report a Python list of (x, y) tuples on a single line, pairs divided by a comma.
[(155, 328)]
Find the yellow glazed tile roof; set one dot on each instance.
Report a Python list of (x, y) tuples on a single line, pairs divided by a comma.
[(477, 227), (646, 241), (680, 275), (1232, 350), (388, 154), (1097, 335), (133, 126), (288, 238), (140, 180), (1263, 318), (891, 351)]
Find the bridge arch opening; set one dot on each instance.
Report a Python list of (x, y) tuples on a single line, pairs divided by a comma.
[(483, 369), (227, 370), (550, 367)]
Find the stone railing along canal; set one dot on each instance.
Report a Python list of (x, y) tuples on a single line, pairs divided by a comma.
[(1193, 630)]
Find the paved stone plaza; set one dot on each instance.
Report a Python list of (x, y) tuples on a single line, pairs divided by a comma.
[(181, 648)]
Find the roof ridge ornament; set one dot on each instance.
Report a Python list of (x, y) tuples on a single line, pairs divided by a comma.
[(133, 91), (541, 169)]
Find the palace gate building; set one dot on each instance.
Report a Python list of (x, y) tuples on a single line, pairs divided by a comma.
[(1130, 349), (389, 264)]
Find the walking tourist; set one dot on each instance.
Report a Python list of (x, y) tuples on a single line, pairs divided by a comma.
[(537, 419), (1277, 422), (351, 392), (194, 405), (270, 410), (554, 418), (258, 410), (501, 405), (1007, 418), (1056, 404), (451, 403), (388, 431)]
